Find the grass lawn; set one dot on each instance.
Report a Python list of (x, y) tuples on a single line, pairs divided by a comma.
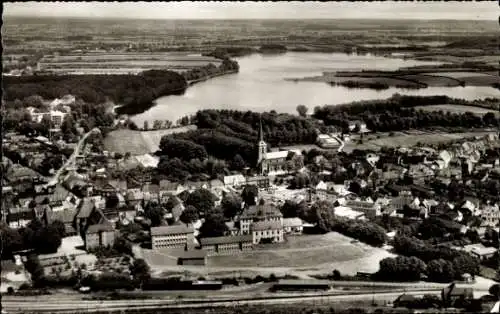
[(458, 109), (304, 252), (489, 273), (138, 142)]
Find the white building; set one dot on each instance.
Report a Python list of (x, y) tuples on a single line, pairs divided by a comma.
[(171, 236), (267, 232)]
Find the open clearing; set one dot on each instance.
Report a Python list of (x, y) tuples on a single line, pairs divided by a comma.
[(300, 256), (407, 140), (458, 109), (139, 142)]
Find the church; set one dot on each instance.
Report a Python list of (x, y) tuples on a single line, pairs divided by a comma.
[(270, 163)]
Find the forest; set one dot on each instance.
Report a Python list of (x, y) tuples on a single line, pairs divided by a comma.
[(398, 113), (129, 90)]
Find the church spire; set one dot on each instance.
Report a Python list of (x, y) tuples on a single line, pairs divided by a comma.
[(261, 134)]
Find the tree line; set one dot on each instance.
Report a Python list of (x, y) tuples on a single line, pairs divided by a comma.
[(399, 113)]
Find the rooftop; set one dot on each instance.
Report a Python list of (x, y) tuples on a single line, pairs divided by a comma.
[(169, 230), (277, 155), (292, 222), (101, 227), (266, 225), (226, 239), (260, 211)]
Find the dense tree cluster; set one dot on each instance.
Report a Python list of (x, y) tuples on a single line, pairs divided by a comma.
[(43, 239), (227, 65), (129, 90), (363, 231), (443, 263), (399, 113), (224, 132)]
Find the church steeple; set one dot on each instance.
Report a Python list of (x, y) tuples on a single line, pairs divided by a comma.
[(261, 134), (262, 146)]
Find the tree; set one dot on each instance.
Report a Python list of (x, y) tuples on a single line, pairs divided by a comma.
[(112, 201), (47, 239), (231, 205), (122, 245), (302, 110), (202, 199), (292, 209), (189, 215), (250, 194), (68, 125), (238, 162), (441, 270), (495, 290), (322, 214), (60, 228), (140, 271), (34, 267), (155, 213), (214, 226), (11, 241)]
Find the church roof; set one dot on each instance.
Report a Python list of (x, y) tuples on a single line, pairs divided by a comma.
[(277, 155)]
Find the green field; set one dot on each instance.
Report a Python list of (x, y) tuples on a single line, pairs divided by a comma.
[(458, 109), (408, 140), (138, 142)]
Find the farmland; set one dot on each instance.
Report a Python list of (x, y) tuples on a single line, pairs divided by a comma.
[(138, 142), (459, 109), (406, 78), (117, 63)]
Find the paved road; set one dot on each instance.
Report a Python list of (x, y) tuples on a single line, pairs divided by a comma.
[(71, 159)]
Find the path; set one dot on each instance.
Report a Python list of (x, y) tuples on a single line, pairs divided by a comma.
[(55, 179)]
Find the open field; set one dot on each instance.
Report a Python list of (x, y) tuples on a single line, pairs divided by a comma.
[(410, 78), (300, 256), (139, 142), (407, 140), (116, 63), (457, 109)]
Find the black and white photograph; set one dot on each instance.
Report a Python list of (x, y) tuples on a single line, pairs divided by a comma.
[(250, 157)]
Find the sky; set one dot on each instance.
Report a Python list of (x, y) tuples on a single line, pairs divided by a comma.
[(455, 10)]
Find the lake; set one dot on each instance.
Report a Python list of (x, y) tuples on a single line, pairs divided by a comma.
[(261, 86)]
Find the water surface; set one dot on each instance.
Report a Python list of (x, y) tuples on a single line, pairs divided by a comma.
[(261, 86)]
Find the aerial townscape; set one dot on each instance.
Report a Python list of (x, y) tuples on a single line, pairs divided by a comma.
[(272, 163)]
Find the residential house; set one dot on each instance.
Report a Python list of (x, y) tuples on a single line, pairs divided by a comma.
[(119, 185), (490, 215), (293, 225), (134, 196), (175, 236), (226, 244), (267, 231), (236, 180), (369, 208), (480, 251), (67, 217), (262, 182), (233, 229), (19, 217), (151, 192), (101, 234), (170, 187), (87, 214), (453, 295)]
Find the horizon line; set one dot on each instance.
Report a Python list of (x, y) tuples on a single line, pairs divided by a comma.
[(237, 19)]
